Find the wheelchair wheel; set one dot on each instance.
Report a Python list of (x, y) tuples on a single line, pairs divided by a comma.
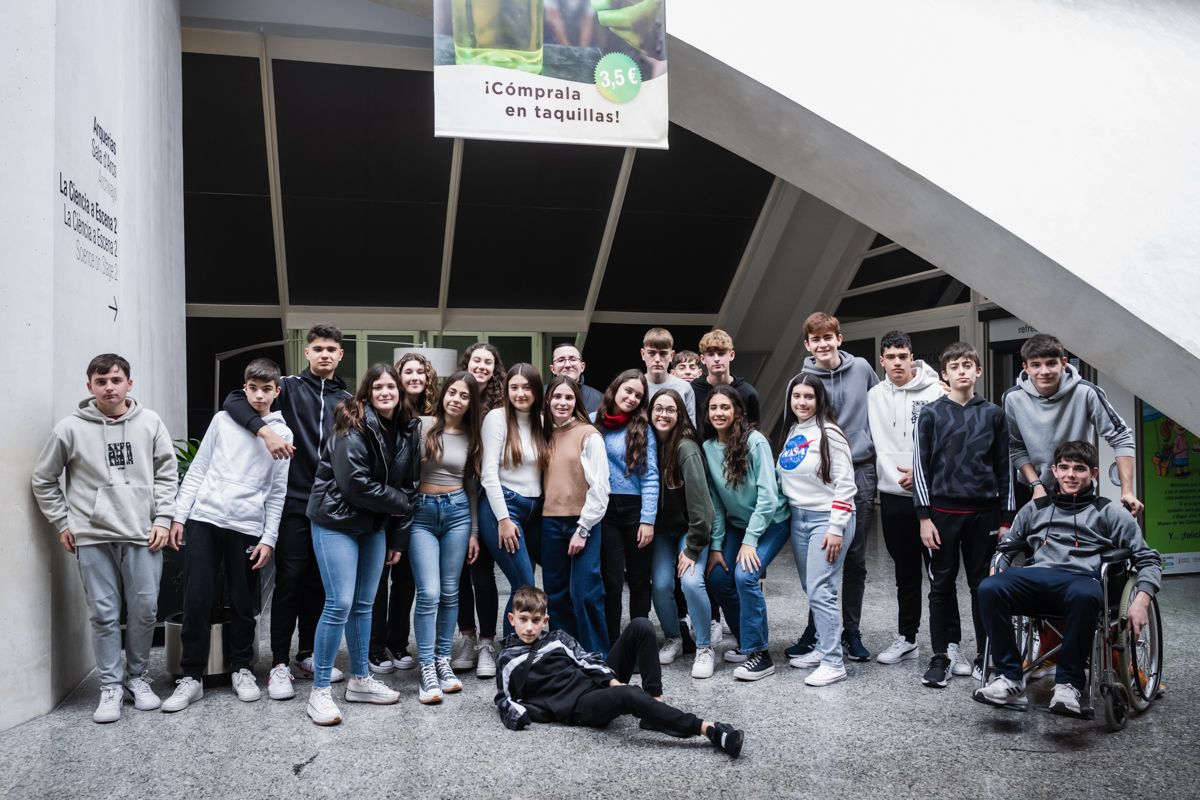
[(1116, 710), (1140, 660)]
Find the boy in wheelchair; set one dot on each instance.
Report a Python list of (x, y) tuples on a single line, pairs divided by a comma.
[(1066, 533)]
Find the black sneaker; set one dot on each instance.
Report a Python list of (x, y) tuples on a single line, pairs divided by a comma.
[(852, 644), (726, 738), (689, 643), (759, 665), (938, 674), (804, 645)]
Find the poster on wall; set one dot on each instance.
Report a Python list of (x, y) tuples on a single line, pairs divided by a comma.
[(1171, 485), (571, 71)]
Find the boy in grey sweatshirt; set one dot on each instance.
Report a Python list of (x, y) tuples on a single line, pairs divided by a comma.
[(114, 516), (1066, 531), (1052, 404)]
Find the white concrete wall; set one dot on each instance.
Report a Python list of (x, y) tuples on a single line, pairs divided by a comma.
[(65, 64)]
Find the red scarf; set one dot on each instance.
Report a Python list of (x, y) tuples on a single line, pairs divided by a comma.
[(614, 421)]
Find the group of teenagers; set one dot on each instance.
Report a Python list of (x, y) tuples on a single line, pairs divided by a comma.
[(413, 488)]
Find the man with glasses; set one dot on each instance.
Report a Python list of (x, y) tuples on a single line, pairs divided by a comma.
[(658, 348), (566, 361)]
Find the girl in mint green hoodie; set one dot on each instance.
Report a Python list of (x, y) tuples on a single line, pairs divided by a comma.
[(750, 526)]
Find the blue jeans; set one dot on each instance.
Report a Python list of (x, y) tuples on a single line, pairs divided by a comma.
[(574, 589), (441, 527), (739, 592), (526, 514), (820, 578), (351, 564), (667, 547)]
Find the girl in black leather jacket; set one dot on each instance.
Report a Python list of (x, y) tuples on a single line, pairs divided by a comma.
[(360, 507)]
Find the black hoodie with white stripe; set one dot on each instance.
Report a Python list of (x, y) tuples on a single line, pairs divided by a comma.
[(543, 681)]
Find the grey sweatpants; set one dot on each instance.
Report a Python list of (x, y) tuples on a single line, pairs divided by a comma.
[(110, 571)]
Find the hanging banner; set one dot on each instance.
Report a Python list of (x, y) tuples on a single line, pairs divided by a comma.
[(1171, 487), (576, 71)]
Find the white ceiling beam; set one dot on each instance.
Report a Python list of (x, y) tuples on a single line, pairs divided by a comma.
[(233, 310), (267, 77), (652, 318), (773, 219), (610, 233), (456, 160), (891, 283)]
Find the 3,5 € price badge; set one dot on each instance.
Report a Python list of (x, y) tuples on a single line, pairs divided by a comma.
[(618, 77)]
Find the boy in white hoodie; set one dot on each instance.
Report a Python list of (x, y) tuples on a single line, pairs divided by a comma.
[(893, 406), (113, 516), (232, 499)]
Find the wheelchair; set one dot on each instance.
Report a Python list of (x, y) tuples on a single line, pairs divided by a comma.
[(1123, 672)]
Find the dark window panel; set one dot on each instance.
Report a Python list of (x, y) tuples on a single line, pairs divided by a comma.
[(863, 348), (539, 175), (229, 249), (521, 257), (360, 253), (695, 177), (224, 133), (928, 345), (610, 349), (879, 241), (887, 266), (359, 133), (931, 293), (673, 262), (208, 336)]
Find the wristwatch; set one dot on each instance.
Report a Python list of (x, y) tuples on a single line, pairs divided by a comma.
[(582, 532)]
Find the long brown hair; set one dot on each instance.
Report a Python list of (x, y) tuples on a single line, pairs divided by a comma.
[(635, 429), (471, 422), (823, 415), (737, 441), (349, 414), (578, 415), (491, 395), (668, 448), (513, 457), (429, 398)]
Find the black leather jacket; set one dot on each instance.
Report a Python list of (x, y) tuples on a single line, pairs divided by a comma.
[(365, 483)]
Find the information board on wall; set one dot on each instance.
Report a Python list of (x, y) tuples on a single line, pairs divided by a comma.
[(560, 71), (1171, 488)]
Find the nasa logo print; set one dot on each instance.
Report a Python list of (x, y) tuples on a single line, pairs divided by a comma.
[(794, 452)]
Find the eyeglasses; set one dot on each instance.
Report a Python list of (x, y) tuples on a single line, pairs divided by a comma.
[(665, 411), (568, 360)]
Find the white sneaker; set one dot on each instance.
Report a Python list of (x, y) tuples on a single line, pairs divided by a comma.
[(704, 664), (245, 686), (138, 690), (321, 708), (485, 667), (187, 691), (716, 633), (1065, 700), (900, 649), (807, 661), (1046, 670), (403, 661), (735, 656), (670, 651), (109, 708), (305, 665), (960, 665), (464, 654), (825, 675), (279, 685), (369, 690), (1003, 691)]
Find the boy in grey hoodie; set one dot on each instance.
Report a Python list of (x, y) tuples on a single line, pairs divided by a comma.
[(114, 516), (847, 379), (1052, 404), (1066, 531)]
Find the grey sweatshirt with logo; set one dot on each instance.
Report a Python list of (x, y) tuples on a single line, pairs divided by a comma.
[(1076, 412), (847, 388)]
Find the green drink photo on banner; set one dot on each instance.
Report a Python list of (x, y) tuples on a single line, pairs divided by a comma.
[(499, 33)]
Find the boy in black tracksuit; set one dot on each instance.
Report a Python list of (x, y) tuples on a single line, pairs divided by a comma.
[(962, 494), (545, 676)]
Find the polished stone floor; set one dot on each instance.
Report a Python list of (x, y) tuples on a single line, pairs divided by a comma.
[(878, 734)]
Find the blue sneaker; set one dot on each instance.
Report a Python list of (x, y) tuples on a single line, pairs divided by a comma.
[(804, 645)]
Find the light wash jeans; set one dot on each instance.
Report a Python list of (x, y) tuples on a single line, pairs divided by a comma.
[(437, 548), (820, 578), (667, 547), (741, 590), (351, 564), (526, 514)]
